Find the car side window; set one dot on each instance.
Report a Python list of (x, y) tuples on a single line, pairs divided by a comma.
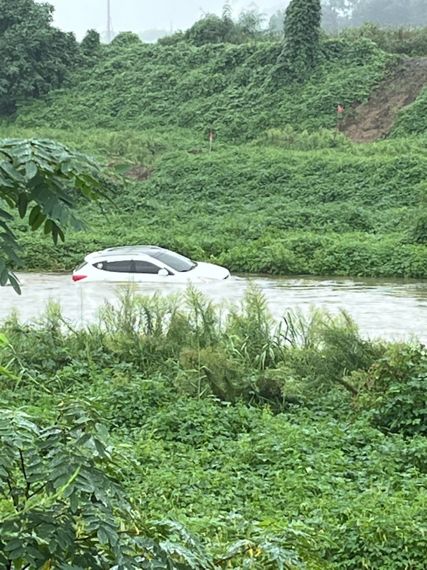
[(145, 267), (115, 266)]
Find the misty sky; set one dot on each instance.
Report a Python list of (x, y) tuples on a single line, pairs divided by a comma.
[(139, 15)]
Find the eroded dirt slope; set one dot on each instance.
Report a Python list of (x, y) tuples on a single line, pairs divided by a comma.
[(374, 119)]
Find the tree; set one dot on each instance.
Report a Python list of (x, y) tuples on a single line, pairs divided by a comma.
[(172, 40), (91, 43), (35, 57), (125, 39), (63, 507), (210, 29), (42, 179), (302, 34)]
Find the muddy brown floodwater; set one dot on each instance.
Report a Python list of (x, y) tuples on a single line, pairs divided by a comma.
[(392, 309)]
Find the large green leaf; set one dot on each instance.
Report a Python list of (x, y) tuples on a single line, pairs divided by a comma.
[(45, 178)]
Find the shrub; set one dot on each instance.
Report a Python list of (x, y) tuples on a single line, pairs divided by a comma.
[(418, 232), (326, 350), (64, 505), (394, 390)]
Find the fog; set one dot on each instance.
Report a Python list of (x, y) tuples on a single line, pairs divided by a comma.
[(139, 15), (170, 15)]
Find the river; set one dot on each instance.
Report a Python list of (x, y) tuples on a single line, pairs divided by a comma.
[(389, 309)]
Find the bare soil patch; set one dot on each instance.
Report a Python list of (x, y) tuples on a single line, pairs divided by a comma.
[(375, 118)]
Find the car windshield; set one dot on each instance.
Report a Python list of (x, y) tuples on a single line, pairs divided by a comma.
[(174, 260)]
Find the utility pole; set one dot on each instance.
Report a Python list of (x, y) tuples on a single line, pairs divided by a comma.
[(109, 27)]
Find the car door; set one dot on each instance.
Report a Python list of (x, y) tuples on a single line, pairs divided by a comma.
[(146, 271)]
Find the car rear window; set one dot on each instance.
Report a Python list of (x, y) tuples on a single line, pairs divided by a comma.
[(115, 266)]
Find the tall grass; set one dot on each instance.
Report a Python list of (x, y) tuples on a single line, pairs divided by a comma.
[(241, 353)]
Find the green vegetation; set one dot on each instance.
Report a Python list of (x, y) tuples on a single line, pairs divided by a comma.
[(413, 119), (302, 35), (171, 434), (278, 447), (269, 207), (43, 179), (238, 90), (282, 191), (35, 56)]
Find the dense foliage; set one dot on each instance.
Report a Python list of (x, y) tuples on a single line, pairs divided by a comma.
[(214, 30), (282, 191), (91, 44), (172, 434), (35, 57), (61, 505), (292, 203), (235, 89), (302, 35), (278, 447), (41, 179), (413, 119)]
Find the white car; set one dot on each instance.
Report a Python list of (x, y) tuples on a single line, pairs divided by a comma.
[(144, 264)]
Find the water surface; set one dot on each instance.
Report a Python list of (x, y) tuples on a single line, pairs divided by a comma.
[(391, 309)]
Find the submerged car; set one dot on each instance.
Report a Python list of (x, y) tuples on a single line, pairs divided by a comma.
[(145, 263)]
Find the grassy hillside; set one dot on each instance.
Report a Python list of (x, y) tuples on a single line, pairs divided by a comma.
[(238, 90), (260, 207), (282, 191)]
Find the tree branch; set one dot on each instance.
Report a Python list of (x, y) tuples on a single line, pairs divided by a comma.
[(27, 483), (13, 495)]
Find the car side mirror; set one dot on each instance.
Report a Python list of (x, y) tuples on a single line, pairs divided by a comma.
[(163, 272)]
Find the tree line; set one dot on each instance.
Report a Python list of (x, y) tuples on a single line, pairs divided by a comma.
[(37, 57)]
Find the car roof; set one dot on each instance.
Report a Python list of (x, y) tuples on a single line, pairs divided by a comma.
[(127, 250)]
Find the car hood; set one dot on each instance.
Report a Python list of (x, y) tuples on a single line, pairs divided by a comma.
[(209, 271)]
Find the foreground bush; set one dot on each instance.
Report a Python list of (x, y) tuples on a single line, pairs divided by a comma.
[(395, 391), (260, 438), (61, 504)]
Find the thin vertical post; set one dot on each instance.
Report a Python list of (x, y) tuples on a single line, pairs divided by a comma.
[(109, 30)]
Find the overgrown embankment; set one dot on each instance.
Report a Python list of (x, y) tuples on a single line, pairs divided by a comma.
[(281, 192), (238, 90), (348, 210)]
